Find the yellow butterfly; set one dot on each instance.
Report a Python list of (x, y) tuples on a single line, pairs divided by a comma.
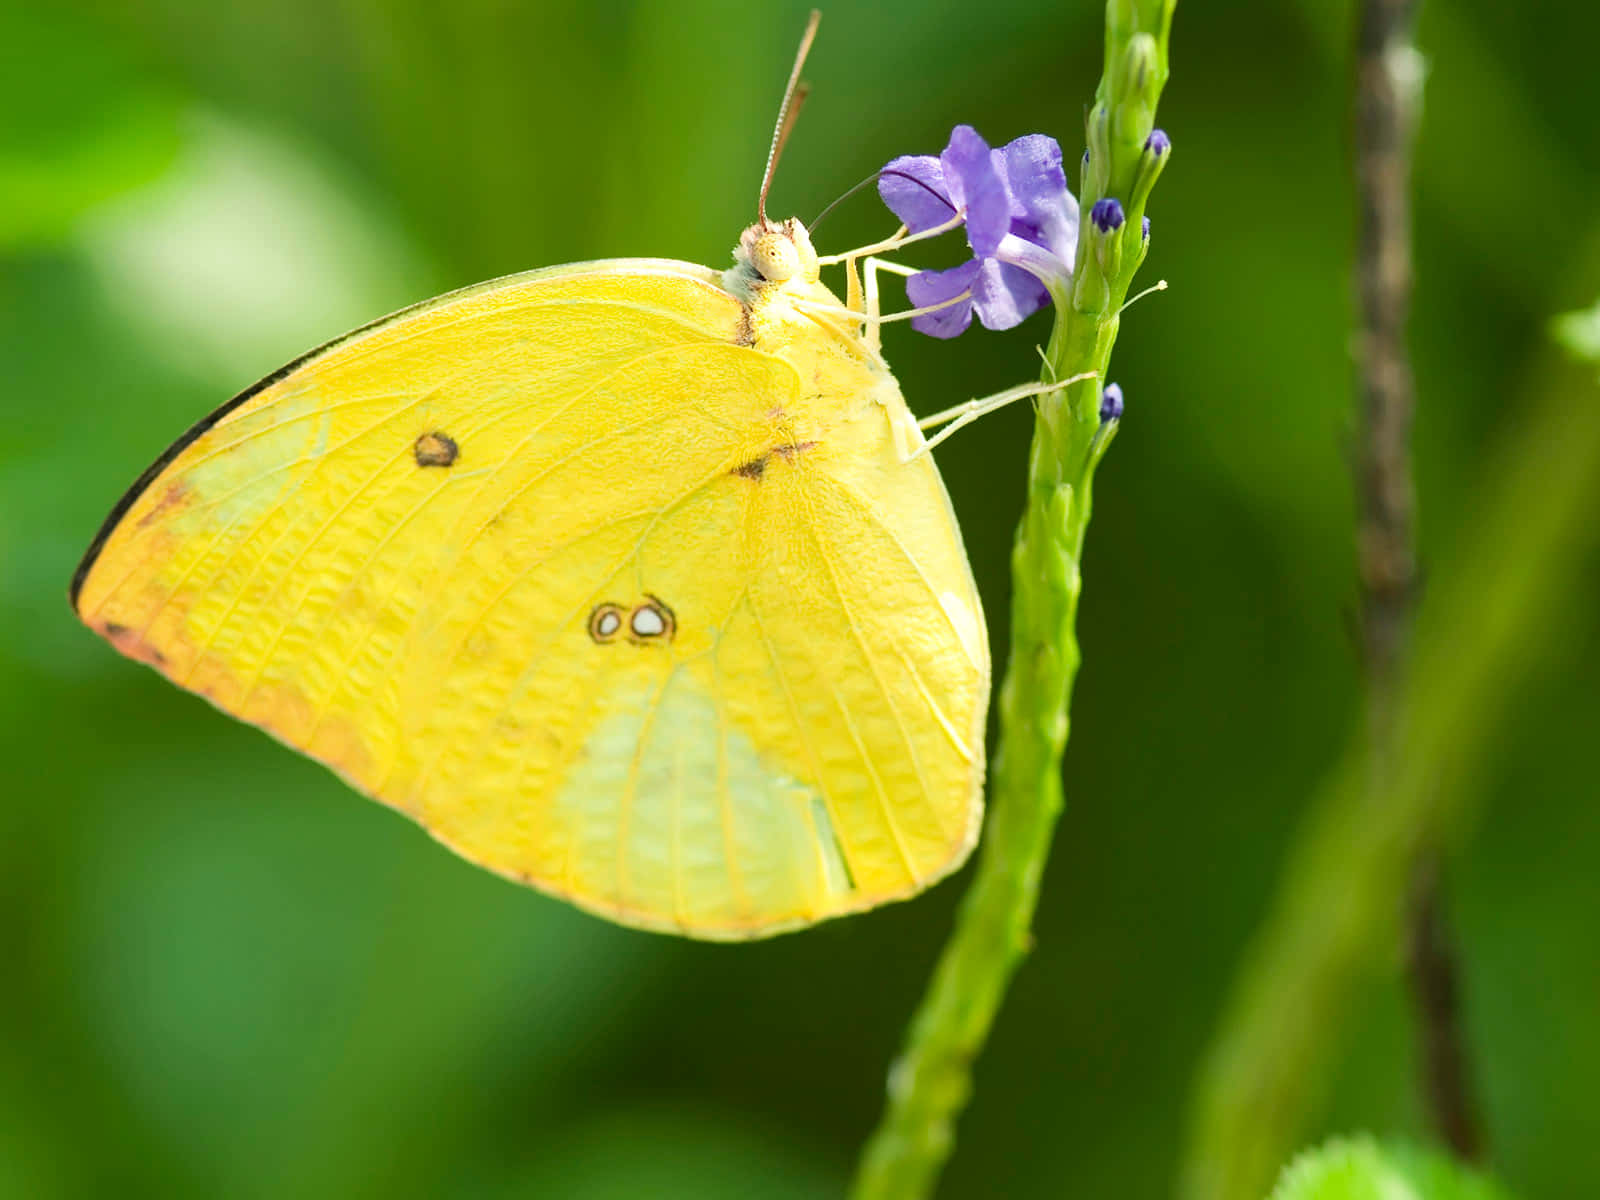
[(627, 580)]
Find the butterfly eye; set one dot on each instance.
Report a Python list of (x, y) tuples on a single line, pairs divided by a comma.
[(605, 622), (651, 621), (806, 253), (776, 257)]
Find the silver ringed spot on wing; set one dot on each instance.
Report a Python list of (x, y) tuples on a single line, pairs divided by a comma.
[(646, 623), (605, 623)]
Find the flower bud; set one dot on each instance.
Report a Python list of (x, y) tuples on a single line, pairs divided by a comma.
[(1111, 404), (1157, 149), (1106, 220), (1107, 215)]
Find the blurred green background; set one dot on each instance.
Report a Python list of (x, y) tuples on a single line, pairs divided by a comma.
[(226, 975)]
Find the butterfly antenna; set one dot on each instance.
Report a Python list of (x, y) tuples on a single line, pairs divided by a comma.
[(873, 178), (833, 204), (794, 96)]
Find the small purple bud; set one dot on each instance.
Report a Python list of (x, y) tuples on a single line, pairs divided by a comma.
[(1144, 228), (1086, 156), (1111, 404), (1107, 215), (1158, 143)]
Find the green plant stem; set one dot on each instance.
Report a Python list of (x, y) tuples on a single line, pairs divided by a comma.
[(931, 1082)]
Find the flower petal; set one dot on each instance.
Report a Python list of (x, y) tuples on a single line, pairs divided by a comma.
[(935, 287), (1043, 210), (1017, 251), (913, 187), (1004, 296), (1033, 169), (976, 184)]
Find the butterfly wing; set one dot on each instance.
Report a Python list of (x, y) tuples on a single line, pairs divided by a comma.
[(608, 600)]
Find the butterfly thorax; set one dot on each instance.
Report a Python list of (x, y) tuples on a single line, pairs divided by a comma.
[(792, 315)]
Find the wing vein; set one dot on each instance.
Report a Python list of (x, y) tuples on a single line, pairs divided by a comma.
[(888, 696), (855, 864), (870, 511)]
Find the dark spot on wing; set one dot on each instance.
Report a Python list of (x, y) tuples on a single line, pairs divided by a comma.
[(757, 467), (436, 449)]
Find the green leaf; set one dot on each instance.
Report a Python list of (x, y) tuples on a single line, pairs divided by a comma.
[(1361, 1169)]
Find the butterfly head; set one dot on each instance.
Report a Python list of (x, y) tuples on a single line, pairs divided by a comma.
[(777, 253)]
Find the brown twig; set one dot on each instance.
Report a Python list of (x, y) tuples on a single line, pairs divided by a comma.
[(1388, 85), (1431, 961), (1385, 115)]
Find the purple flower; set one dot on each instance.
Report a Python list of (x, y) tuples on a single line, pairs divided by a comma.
[(1021, 221)]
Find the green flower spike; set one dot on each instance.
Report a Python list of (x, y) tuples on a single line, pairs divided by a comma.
[(931, 1081)]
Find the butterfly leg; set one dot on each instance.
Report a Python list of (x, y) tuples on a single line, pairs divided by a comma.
[(964, 414), (874, 323), (865, 300), (863, 306), (908, 439), (852, 285), (900, 237)]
